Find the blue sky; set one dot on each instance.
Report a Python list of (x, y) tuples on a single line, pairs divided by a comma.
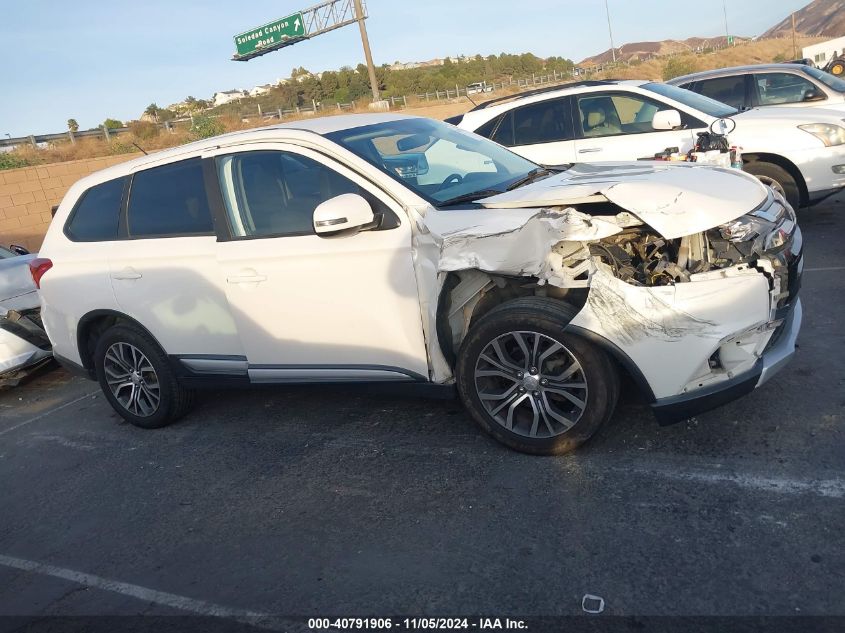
[(92, 59)]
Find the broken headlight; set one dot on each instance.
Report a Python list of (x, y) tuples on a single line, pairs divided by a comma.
[(745, 228)]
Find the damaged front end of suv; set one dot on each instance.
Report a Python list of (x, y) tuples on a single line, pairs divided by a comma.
[(687, 276)]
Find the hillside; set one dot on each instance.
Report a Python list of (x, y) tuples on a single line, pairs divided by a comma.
[(820, 18), (643, 51)]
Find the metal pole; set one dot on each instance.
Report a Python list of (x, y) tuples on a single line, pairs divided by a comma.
[(610, 31), (359, 14), (727, 32), (794, 47)]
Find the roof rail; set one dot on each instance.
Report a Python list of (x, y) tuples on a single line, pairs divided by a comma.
[(539, 91)]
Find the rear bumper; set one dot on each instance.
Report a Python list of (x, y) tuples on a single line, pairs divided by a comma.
[(684, 406)]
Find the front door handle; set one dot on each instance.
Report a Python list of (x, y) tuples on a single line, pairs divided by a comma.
[(127, 273), (589, 150)]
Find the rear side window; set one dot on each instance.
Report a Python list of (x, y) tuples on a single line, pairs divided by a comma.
[(543, 122), (95, 218), (169, 201), (730, 90)]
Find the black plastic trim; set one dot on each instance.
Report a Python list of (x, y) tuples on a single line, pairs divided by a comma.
[(74, 368), (684, 406)]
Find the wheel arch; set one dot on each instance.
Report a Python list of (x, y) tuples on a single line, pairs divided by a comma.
[(93, 324), (784, 163)]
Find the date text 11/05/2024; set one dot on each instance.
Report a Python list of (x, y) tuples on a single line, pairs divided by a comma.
[(436, 624)]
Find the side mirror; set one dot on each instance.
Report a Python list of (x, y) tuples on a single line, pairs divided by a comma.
[(666, 120), (343, 213), (814, 94), (20, 250)]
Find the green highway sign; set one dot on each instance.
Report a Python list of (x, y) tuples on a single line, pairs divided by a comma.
[(270, 36)]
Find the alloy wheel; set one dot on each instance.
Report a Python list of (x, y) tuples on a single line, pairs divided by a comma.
[(132, 379), (531, 384)]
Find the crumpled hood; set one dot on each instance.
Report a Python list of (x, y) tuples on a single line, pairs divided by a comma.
[(675, 199)]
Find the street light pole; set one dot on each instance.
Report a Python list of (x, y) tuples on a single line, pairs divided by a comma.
[(371, 69), (610, 31), (727, 31)]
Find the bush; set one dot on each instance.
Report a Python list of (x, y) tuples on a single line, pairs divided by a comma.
[(113, 124), (8, 160), (144, 130), (678, 66), (206, 127)]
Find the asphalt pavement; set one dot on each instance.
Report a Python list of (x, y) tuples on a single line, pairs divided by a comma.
[(310, 502)]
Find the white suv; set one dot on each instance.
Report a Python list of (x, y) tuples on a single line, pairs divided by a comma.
[(799, 152), (381, 248)]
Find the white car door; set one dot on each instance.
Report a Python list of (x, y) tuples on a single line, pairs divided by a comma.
[(313, 308), (164, 273), (617, 126), (541, 131)]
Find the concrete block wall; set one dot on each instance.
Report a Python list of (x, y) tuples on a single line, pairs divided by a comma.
[(28, 194)]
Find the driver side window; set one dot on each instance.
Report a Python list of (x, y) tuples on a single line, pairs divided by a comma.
[(273, 193), (777, 88)]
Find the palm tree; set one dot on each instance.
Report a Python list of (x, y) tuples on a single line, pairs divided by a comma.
[(72, 125)]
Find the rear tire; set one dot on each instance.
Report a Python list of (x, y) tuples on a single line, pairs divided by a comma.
[(778, 179), (137, 380), (837, 68), (529, 384)]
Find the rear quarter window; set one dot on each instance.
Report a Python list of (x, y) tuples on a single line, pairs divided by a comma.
[(95, 217)]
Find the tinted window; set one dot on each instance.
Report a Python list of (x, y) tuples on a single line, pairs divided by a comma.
[(504, 133), (826, 78), (271, 193), (168, 201), (690, 99), (777, 88), (96, 215), (488, 128), (543, 122), (729, 90)]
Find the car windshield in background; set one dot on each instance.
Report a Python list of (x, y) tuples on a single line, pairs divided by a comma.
[(5, 253), (692, 99), (827, 79), (438, 161)]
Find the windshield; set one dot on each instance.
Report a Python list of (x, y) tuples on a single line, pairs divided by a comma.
[(6, 253), (826, 78), (437, 160), (692, 99)]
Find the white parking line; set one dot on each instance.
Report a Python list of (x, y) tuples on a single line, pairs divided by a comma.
[(818, 270), (198, 607), (46, 413), (834, 488)]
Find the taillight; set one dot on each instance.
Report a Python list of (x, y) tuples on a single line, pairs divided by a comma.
[(37, 267)]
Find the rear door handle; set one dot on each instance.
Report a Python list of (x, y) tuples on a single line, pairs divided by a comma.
[(127, 273), (589, 150), (253, 278)]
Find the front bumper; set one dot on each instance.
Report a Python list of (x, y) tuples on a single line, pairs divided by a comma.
[(777, 355)]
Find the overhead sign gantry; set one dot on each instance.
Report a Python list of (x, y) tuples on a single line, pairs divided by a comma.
[(303, 25)]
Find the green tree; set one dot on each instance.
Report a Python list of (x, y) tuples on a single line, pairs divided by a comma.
[(72, 125), (677, 66), (113, 124), (205, 127), (152, 110)]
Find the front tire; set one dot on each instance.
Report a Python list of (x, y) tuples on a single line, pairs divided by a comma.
[(137, 380), (778, 179), (837, 68), (529, 384)]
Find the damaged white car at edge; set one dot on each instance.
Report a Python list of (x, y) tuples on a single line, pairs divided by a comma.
[(536, 288)]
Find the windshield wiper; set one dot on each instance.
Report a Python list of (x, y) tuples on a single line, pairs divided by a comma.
[(470, 197), (531, 176)]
